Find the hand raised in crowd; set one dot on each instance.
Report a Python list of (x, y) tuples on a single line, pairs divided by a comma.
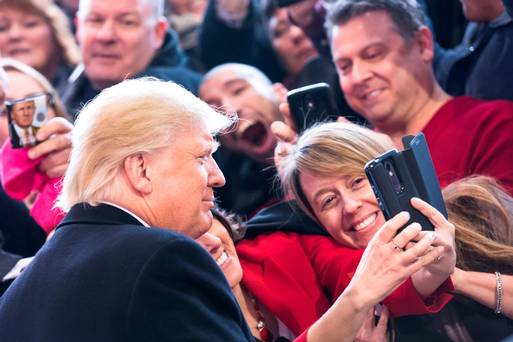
[(55, 147), (285, 131), (433, 275)]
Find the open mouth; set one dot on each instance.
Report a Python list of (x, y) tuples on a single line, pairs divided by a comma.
[(254, 134)]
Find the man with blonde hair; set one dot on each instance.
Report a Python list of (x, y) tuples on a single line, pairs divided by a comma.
[(141, 159)]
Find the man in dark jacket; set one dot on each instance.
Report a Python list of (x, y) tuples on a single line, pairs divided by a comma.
[(124, 39), (481, 65), (122, 266)]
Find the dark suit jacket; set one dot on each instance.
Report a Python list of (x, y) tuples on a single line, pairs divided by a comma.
[(105, 277)]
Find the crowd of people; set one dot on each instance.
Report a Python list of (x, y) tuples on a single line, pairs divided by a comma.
[(154, 185)]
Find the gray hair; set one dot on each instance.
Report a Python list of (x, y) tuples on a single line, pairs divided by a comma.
[(135, 116), (407, 15), (156, 6)]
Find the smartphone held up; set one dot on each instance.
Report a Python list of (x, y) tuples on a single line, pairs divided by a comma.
[(312, 104), (396, 177)]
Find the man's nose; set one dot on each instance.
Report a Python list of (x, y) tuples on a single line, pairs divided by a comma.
[(216, 177), (107, 32), (360, 71)]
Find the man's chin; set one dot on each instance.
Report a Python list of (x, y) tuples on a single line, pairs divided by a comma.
[(101, 79)]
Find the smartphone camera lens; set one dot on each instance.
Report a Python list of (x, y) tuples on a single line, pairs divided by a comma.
[(394, 179), (309, 103)]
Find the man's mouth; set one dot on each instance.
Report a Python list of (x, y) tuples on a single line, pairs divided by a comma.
[(365, 223), (105, 56), (371, 95), (254, 134)]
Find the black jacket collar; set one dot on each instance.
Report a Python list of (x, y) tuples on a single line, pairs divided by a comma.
[(83, 213)]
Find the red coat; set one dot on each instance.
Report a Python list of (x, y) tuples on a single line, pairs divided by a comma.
[(291, 274)]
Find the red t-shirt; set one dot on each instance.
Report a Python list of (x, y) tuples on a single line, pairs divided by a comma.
[(468, 136)]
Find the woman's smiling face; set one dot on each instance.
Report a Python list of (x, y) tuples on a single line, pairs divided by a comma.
[(345, 206)]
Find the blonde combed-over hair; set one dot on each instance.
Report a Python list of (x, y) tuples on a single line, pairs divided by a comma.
[(135, 116), (330, 149)]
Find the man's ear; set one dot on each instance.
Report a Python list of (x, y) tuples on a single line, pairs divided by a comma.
[(135, 168), (424, 39), (160, 28)]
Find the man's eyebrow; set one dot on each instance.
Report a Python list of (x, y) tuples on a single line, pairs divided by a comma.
[(234, 81)]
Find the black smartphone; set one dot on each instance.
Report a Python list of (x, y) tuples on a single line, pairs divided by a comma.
[(311, 104), (396, 177), (25, 117)]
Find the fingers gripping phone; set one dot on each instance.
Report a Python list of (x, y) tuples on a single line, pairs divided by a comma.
[(312, 104), (396, 177)]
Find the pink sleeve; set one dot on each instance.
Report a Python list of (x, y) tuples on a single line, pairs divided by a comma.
[(42, 211), (19, 173), (20, 176)]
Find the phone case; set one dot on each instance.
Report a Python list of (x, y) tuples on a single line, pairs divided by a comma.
[(312, 104), (396, 177)]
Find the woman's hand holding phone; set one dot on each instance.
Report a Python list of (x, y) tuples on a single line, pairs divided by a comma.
[(430, 277), (55, 147)]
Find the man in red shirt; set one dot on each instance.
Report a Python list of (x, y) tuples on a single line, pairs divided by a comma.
[(383, 53)]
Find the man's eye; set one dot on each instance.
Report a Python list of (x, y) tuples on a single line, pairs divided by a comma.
[(238, 90), (373, 54), (94, 19), (128, 23), (344, 67)]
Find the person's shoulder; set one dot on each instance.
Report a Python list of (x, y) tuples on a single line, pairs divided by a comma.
[(463, 107), (156, 236), (178, 74)]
